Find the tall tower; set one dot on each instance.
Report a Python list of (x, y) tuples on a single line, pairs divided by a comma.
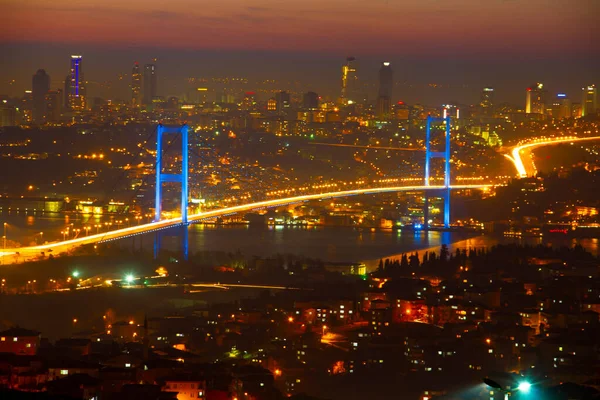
[(429, 155), (386, 84), (535, 100), (589, 104), (77, 90), (149, 83), (310, 101), (349, 82), (561, 107), (40, 85), (487, 101), (136, 85), (283, 101), (386, 80)]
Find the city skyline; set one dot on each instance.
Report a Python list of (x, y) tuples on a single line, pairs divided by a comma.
[(109, 79), (504, 44)]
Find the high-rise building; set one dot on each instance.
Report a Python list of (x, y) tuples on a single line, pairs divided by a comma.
[(535, 100), (383, 107), (136, 85), (349, 82), (67, 92), (589, 103), (386, 80), (487, 101), (53, 105), (561, 106), (384, 97), (283, 101), (40, 84), (310, 101), (149, 83), (77, 89)]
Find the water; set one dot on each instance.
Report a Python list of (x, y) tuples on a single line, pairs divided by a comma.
[(334, 244), (53, 313)]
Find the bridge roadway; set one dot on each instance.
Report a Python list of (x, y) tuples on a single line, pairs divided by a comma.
[(521, 158), (9, 256)]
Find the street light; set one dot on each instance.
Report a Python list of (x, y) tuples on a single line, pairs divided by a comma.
[(522, 386)]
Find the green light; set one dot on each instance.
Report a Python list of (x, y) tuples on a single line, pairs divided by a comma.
[(129, 278), (76, 274), (524, 387)]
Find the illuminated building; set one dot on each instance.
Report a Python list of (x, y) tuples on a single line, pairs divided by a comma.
[(149, 83), (53, 101), (386, 80), (76, 92), (20, 341), (535, 101), (310, 101), (8, 114), (383, 107), (271, 104), (349, 82), (40, 85), (283, 101), (451, 111), (136, 86), (384, 97), (561, 106), (487, 101), (589, 103), (402, 111)]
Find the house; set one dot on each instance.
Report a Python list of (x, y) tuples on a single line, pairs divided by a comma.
[(20, 341)]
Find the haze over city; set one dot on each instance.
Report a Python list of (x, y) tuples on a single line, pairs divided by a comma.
[(463, 43)]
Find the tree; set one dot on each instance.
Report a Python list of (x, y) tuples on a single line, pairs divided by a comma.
[(414, 261), (404, 262), (444, 253)]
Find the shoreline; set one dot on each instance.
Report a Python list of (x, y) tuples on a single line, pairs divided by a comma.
[(474, 242)]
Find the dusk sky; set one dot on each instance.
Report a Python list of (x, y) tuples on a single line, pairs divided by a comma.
[(453, 41)]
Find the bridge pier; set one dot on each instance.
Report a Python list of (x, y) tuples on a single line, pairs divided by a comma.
[(445, 192), (185, 241)]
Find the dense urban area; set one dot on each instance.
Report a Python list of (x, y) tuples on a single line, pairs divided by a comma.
[(126, 319)]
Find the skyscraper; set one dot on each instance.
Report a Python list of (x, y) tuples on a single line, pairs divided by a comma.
[(561, 106), (283, 101), (77, 90), (535, 100), (386, 84), (310, 101), (589, 103), (349, 82), (40, 84), (149, 83), (136, 85), (386, 80), (487, 101), (53, 105)]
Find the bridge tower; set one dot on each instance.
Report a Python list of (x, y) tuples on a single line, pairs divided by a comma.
[(181, 178), (429, 155)]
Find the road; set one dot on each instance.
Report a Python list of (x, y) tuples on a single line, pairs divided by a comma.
[(21, 254), (521, 155)]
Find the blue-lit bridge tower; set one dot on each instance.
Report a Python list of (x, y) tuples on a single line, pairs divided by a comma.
[(429, 155), (181, 178)]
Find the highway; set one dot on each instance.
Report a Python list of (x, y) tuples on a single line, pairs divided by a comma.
[(10, 256), (521, 156)]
